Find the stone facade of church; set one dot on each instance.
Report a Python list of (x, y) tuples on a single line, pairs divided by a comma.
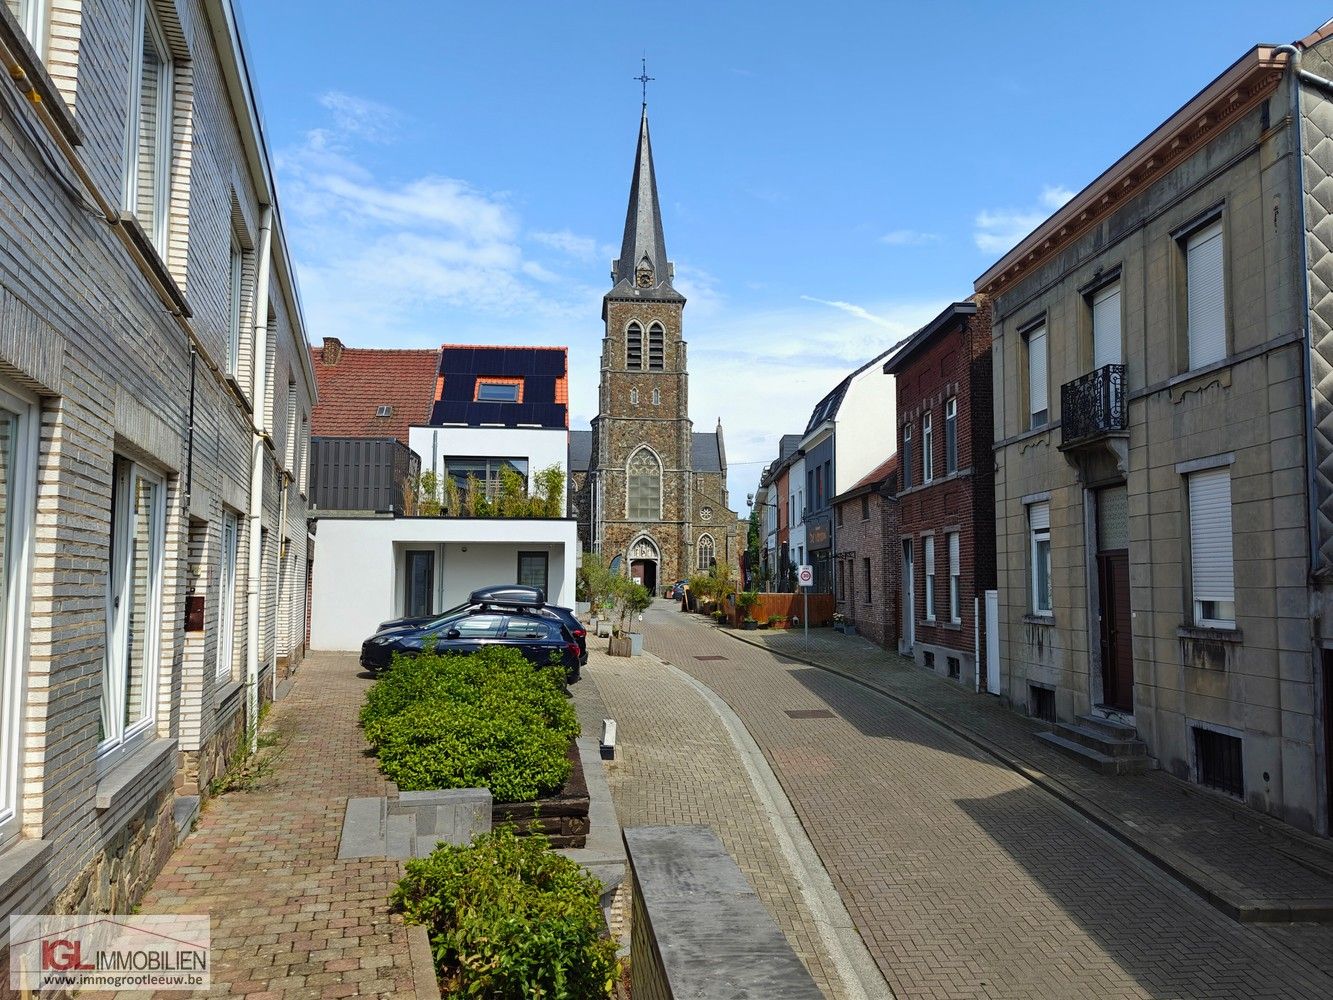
[(647, 489)]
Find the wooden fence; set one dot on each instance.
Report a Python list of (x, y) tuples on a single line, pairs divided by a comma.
[(788, 606)]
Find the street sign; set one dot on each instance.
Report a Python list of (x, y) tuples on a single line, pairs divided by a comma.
[(805, 576)]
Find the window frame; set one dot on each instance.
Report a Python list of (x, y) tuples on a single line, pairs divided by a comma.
[(927, 448), (1095, 298), (510, 390), (545, 558), (224, 664), (869, 578), (120, 740), (928, 559), (20, 532), (237, 264), (1196, 604), (34, 17), (655, 357), (1207, 229), (951, 435), (145, 16), (1036, 536), (1037, 418), (634, 355), (629, 481), (953, 541), (906, 461)]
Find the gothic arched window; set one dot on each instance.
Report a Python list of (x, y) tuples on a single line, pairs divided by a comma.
[(656, 350), (706, 553), (644, 493), (634, 347)]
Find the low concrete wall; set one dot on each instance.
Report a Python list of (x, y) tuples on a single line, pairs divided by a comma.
[(699, 929)]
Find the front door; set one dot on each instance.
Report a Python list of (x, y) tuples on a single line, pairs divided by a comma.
[(908, 590), (644, 571), (1114, 622), (420, 588)]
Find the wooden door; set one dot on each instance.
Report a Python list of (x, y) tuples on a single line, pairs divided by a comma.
[(1116, 630)]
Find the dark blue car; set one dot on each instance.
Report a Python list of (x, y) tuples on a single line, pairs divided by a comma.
[(536, 636)]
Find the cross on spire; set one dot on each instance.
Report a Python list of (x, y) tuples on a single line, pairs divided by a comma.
[(644, 79)]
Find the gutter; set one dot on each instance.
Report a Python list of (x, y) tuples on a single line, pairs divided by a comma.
[(259, 390)]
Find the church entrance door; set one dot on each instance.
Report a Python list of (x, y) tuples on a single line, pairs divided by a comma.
[(644, 571)]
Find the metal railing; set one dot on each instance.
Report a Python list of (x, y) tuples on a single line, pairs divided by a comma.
[(1093, 404)]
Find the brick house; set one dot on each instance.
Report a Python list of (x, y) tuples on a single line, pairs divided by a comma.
[(155, 394), (946, 549), (866, 521)]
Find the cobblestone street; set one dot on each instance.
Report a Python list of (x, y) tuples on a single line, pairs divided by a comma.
[(965, 878)]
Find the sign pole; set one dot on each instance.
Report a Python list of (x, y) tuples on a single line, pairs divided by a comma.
[(805, 618)]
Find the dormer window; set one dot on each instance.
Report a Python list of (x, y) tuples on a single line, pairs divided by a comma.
[(384, 410), (497, 392)]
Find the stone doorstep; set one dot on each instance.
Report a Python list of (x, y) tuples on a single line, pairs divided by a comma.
[(411, 825), (184, 812), (1203, 883)]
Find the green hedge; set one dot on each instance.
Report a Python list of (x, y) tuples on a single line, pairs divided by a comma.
[(487, 720), (509, 918)]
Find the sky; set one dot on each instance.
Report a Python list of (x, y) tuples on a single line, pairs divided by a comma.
[(831, 175)]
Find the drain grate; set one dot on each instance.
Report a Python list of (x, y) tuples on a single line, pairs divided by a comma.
[(810, 713), (710, 657)]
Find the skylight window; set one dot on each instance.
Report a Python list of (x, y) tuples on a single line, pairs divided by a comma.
[(497, 392), (384, 410)]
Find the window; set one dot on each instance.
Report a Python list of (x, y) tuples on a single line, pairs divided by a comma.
[(384, 410), (486, 472), (18, 466), (1106, 326), (1039, 529), (302, 464), (955, 580), (865, 507), (634, 397), (31, 16), (530, 628), (657, 397), (1037, 400), (865, 568), (1205, 308), (497, 392), (634, 347), (234, 316), (656, 352), (419, 582), (148, 142), (534, 569), (1217, 761), (477, 626), (706, 553), (819, 488), (927, 449), (1041, 703), (839, 515), (954, 667), (134, 607), (227, 597), (950, 436), (930, 578), (907, 455), (1212, 567), (644, 496)]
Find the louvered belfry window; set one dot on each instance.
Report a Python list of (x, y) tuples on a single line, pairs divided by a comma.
[(634, 347), (1212, 564), (656, 348), (1205, 288)]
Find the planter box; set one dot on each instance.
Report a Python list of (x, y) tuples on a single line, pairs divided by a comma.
[(562, 816), (635, 643), (582, 608), (620, 646)]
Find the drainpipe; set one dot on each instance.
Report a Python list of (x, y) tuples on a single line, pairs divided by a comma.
[(260, 393)]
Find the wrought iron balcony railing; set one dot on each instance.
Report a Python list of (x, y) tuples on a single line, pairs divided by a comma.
[(1093, 404)]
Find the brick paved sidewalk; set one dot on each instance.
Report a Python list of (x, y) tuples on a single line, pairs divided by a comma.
[(289, 919), (1252, 867), (676, 765)]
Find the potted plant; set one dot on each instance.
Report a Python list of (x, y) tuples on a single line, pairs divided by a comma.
[(745, 602), (637, 600), (777, 621)]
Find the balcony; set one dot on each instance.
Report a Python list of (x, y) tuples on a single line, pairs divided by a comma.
[(1092, 406)]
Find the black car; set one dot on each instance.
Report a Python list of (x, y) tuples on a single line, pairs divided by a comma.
[(537, 636), (504, 597)]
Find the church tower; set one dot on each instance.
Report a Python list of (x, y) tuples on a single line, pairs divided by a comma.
[(655, 492)]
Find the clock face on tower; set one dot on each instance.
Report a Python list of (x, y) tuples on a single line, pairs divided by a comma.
[(645, 278)]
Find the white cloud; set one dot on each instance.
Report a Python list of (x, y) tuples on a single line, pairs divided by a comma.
[(357, 116), (908, 238), (998, 230), (568, 243), (852, 309)]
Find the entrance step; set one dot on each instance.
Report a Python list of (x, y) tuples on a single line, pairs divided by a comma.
[(184, 811), (1121, 744), (1110, 727), (1103, 763)]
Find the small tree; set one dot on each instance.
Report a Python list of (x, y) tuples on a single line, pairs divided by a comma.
[(745, 602), (594, 583), (548, 499), (428, 494), (512, 499), (630, 599), (453, 497)]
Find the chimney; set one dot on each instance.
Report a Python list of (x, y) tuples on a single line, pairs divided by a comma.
[(333, 350)]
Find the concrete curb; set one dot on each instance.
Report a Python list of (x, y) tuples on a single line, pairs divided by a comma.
[(1239, 908), (423, 963)]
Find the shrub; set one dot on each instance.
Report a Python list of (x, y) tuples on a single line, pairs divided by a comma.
[(509, 919), (486, 720)]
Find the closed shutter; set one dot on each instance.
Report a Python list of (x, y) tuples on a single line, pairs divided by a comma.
[(953, 554), (1207, 312), (1210, 536), (1037, 372), (1039, 516), (1106, 327)]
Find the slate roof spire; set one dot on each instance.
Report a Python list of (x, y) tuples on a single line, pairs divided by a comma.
[(643, 261)]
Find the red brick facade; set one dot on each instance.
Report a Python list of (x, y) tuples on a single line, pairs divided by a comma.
[(948, 360), (867, 589)]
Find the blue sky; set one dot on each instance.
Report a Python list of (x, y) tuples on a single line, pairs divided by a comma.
[(831, 175)]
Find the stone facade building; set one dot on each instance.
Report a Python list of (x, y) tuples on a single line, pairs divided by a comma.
[(1162, 360), (869, 584), (649, 493), (155, 394), (945, 498)]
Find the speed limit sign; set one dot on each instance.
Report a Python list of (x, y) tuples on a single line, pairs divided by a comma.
[(805, 576)]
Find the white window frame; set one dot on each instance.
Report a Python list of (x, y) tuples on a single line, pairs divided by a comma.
[(34, 17), (225, 649), (145, 20), (234, 314), (1039, 377), (927, 448), (1221, 590), (1102, 339), (1205, 346), (19, 533), (955, 578), (1039, 530), (951, 435), (907, 455), (119, 741), (929, 558)]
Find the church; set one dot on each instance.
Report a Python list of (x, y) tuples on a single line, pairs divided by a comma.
[(649, 493)]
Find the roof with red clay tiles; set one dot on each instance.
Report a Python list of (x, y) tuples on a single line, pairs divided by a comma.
[(363, 379), (876, 475)]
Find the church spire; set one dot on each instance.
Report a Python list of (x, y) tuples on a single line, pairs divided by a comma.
[(643, 261)]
